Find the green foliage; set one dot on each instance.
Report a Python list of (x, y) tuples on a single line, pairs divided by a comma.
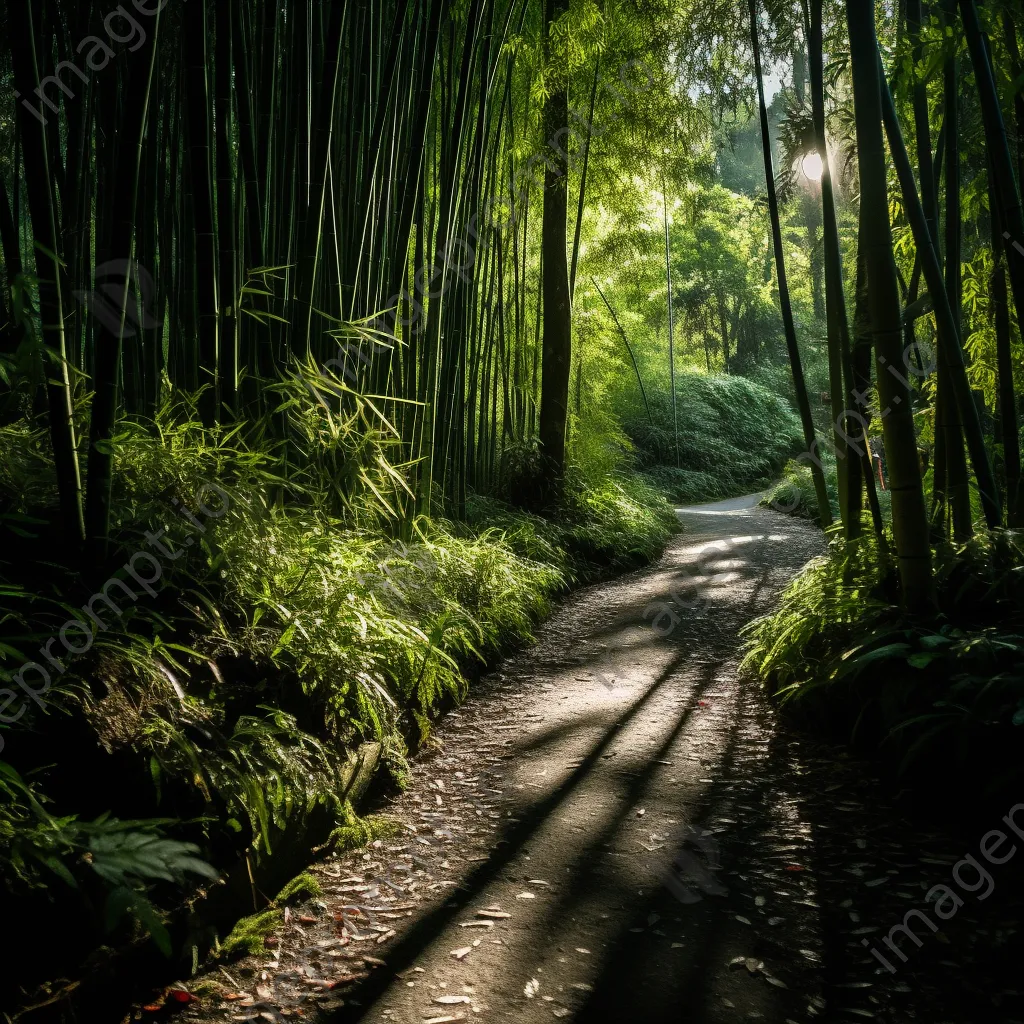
[(938, 694), (370, 626), (27, 479), (625, 522), (794, 493), (725, 317), (355, 832), (292, 625), (734, 435), (125, 856), (304, 885), (265, 773), (120, 856), (121, 853), (834, 592), (248, 935), (980, 334), (616, 521)]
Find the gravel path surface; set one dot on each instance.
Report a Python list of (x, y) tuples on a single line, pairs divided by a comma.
[(613, 826)]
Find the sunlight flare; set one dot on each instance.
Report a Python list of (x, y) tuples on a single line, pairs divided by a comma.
[(812, 166)]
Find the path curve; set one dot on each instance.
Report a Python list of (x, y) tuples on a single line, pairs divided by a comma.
[(614, 824)]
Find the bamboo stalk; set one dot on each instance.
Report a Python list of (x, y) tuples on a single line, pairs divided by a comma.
[(909, 520), (792, 348), (950, 349)]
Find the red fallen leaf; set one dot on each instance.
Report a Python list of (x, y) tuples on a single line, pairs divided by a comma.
[(794, 867), (306, 920), (270, 941), (702, 703), (179, 995), (152, 1008), (231, 996)]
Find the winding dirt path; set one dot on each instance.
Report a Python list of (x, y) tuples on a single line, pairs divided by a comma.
[(615, 827)]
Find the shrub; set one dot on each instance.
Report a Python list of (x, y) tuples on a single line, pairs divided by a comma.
[(794, 492), (734, 435), (941, 696)]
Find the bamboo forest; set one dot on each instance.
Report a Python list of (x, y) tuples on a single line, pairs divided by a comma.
[(511, 510)]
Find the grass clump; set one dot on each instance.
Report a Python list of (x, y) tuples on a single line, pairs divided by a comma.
[(372, 629), (249, 935), (305, 886), (793, 493), (623, 523), (616, 522), (355, 832)]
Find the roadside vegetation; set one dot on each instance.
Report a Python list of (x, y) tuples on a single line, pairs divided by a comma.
[(288, 629), (941, 697)]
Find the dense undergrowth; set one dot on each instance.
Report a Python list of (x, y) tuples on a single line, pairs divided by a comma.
[(260, 616), (793, 492), (734, 436), (941, 696)]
